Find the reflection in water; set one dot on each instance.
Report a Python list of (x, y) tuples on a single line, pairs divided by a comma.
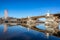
[(21, 33), (41, 26)]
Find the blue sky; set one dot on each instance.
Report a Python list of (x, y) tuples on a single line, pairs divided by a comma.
[(24, 8)]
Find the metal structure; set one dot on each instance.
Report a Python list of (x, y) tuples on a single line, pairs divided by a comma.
[(51, 23)]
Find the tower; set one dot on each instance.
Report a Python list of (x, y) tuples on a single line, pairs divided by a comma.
[(5, 13)]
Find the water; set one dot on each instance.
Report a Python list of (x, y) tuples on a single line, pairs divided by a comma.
[(21, 33)]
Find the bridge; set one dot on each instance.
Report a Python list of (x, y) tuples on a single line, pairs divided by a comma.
[(51, 23)]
